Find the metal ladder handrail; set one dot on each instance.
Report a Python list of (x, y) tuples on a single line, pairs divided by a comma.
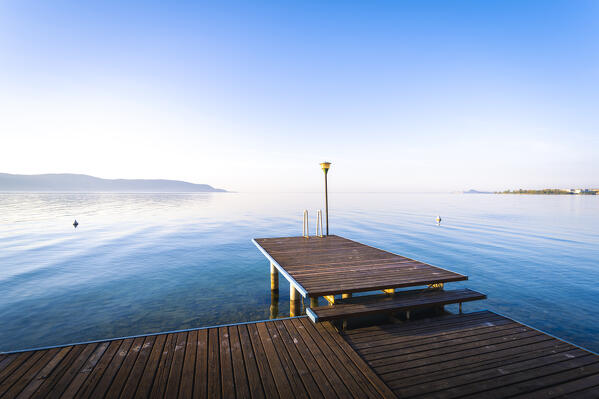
[(319, 233), (306, 232)]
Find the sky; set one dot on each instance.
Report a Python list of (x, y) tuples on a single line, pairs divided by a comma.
[(401, 96)]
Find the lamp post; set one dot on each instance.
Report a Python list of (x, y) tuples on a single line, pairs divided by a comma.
[(325, 168)]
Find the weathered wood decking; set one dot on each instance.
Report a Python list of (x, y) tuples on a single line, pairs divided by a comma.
[(320, 266), (476, 355), (280, 358)]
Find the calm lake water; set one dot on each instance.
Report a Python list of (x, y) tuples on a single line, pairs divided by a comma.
[(144, 263)]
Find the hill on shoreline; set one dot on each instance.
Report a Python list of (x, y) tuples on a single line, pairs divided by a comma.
[(83, 183)]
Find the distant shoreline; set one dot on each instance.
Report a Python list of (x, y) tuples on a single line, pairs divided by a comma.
[(553, 191), (67, 182)]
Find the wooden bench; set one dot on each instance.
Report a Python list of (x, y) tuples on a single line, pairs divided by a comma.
[(401, 301)]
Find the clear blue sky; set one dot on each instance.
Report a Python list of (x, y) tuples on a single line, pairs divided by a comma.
[(250, 96)]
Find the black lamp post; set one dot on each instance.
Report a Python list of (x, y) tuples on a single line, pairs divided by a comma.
[(325, 168)]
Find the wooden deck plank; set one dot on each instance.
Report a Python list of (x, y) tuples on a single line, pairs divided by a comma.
[(340, 367), (164, 366), (21, 371), (188, 367), (242, 387), (92, 371), (20, 380), (111, 368), (303, 370), (251, 366), (352, 370), (445, 346), (50, 383), (226, 364), (15, 364), (295, 381), (135, 375), (213, 382), (498, 376), (126, 368), (310, 361), (6, 360), (174, 376), (268, 381), (373, 343), (328, 370), (200, 380), (434, 324), (285, 387), (390, 362), (378, 384), (34, 383), (424, 374), (151, 365), (89, 355), (585, 387)]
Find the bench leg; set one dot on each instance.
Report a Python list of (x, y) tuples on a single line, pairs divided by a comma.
[(313, 301), (407, 315)]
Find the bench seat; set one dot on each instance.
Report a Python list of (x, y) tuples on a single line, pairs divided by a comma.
[(401, 301)]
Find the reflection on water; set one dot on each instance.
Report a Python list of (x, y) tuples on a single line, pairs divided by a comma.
[(142, 263)]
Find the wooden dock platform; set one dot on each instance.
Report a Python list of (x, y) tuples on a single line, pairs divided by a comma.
[(331, 265), (475, 355)]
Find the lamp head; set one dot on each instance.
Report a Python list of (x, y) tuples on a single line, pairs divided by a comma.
[(325, 166)]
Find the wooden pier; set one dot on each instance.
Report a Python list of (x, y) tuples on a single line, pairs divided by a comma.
[(473, 355)]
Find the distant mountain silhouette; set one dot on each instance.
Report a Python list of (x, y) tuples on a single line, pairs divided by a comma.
[(477, 192), (75, 182)]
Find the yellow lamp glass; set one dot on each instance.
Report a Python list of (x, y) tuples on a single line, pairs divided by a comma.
[(325, 166)]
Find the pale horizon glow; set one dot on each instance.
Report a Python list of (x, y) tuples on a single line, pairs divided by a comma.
[(400, 97)]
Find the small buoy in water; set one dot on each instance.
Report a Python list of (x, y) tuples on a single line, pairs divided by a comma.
[(438, 219), (75, 223)]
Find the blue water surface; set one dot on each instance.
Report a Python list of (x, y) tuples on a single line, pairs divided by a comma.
[(144, 263)]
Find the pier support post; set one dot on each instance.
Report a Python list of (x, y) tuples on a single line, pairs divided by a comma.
[(274, 277), (274, 304), (294, 302), (274, 291)]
